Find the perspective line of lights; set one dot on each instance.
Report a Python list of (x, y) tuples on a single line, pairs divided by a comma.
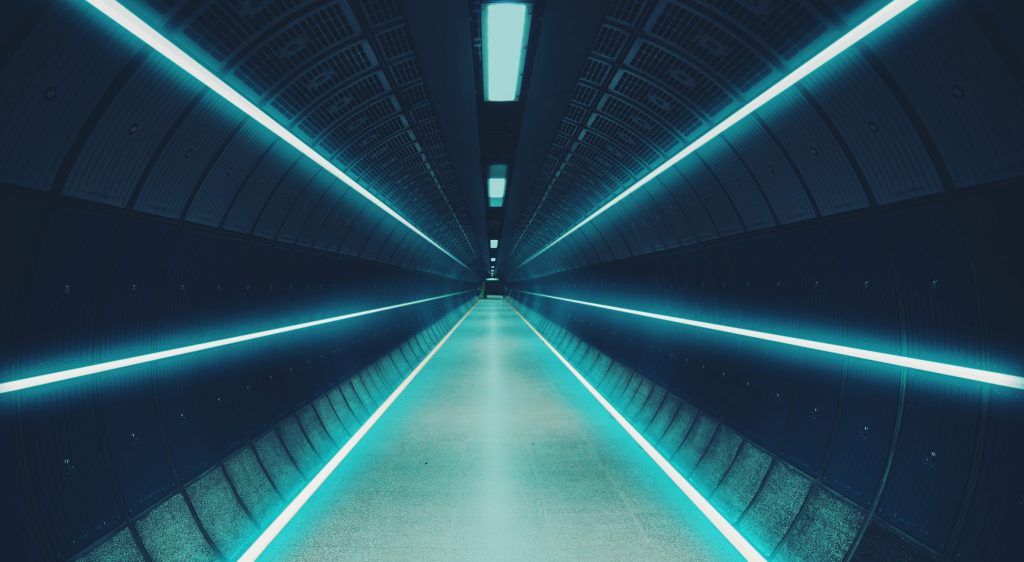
[(851, 38), (746, 550), (278, 524), (68, 374), (956, 371), (143, 31)]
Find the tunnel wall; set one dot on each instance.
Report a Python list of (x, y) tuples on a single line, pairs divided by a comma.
[(925, 459), (924, 106), (198, 454), (139, 212), (94, 116), (781, 511), (875, 205)]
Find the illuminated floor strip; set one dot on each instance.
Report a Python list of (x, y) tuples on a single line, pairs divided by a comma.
[(50, 378), (133, 24), (851, 38), (979, 375), (279, 523), (721, 523)]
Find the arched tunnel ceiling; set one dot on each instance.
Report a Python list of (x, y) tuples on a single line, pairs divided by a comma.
[(116, 124), (886, 122), (875, 205)]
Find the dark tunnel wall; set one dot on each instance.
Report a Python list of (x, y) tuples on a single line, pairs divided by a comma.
[(875, 206), (140, 212), (928, 106), (87, 283), (929, 456), (92, 115)]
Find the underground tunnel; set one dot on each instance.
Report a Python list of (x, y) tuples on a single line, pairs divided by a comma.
[(512, 280)]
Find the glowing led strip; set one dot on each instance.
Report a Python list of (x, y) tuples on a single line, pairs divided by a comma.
[(865, 28), (721, 523), (979, 375), (50, 378), (140, 29), (279, 523)]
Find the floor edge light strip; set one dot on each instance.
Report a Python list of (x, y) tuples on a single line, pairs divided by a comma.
[(849, 39), (77, 372), (278, 524), (133, 24), (738, 541), (946, 369)]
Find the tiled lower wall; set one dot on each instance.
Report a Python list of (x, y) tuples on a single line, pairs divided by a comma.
[(222, 511), (783, 512)]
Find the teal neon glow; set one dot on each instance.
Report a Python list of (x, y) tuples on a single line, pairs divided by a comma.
[(494, 244), (956, 371), (496, 184), (278, 524), (140, 29), (851, 38), (505, 31), (738, 541), (68, 374)]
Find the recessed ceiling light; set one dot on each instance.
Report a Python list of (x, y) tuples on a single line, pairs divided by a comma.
[(506, 27)]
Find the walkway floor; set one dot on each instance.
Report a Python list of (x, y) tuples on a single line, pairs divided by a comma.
[(495, 452)]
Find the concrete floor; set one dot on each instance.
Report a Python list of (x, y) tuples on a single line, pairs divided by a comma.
[(495, 452)]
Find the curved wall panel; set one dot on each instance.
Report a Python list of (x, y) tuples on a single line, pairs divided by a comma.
[(887, 121), (920, 455), (137, 132)]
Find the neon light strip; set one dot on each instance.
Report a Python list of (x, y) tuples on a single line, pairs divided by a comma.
[(50, 378), (865, 28), (140, 29), (730, 533), (263, 541), (979, 375)]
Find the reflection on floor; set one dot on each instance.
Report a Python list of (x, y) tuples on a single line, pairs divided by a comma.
[(495, 452)]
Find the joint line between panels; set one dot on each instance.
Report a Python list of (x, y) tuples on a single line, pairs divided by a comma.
[(274, 529)]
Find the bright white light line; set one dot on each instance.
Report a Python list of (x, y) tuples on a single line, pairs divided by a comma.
[(979, 375), (865, 28), (50, 378), (140, 29), (730, 533), (263, 541)]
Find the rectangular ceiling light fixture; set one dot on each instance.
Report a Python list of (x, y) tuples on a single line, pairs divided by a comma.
[(133, 24), (506, 27), (494, 244), (969, 373), (494, 260), (496, 181), (851, 38)]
